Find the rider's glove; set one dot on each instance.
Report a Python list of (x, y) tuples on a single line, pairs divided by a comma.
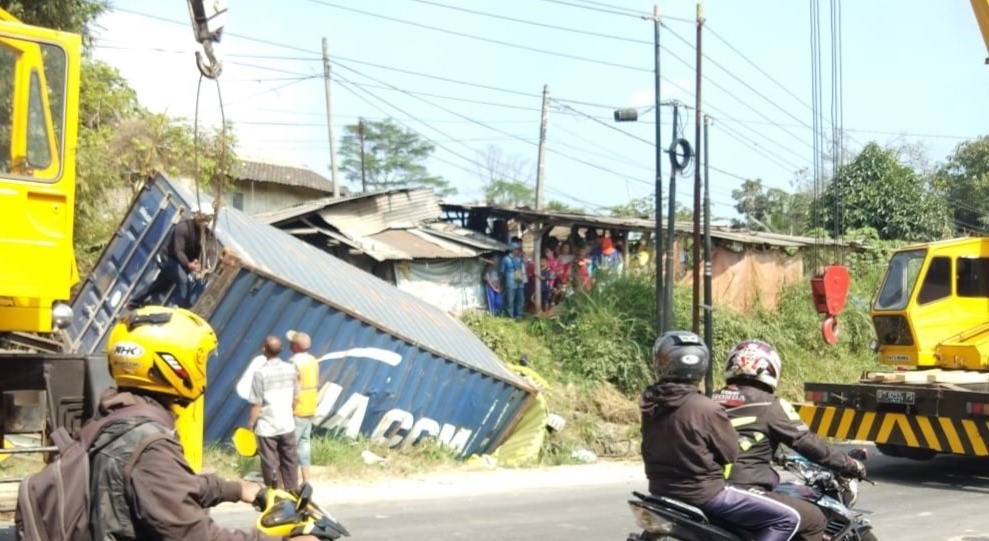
[(856, 469)]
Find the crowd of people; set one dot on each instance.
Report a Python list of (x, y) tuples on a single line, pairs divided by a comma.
[(565, 266)]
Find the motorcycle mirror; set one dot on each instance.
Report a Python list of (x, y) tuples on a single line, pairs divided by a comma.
[(305, 494), (245, 442), (859, 453)]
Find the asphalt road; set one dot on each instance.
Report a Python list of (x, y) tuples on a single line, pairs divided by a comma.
[(939, 500)]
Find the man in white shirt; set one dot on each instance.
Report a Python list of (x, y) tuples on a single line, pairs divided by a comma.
[(274, 390)]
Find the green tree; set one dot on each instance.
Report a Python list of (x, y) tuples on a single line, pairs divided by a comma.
[(639, 207), (876, 190), (67, 15), (509, 193), (771, 209), (558, 206), (386, 155), (964, 180)]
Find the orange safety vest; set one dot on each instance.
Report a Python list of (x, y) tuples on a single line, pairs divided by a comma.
[(308, 370)]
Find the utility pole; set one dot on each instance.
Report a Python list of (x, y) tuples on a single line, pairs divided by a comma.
[(541, 160), (695, 308), (661, 324), (540, 180), (360, 136), (708, 294), (329, 121), (671, 221)]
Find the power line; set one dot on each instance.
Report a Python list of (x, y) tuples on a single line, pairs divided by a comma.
[(483, 125), (354, 91), (708, 28), (605, 8), (765, 152), (348, 84), (484, 39), (535, 23), (739, 100), (453, 98)]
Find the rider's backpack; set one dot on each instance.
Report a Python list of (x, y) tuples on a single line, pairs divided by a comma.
[(53, 504)]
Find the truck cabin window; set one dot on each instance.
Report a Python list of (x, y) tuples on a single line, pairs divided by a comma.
[(32, 109), (973, 277), (937, 281), (901, 277)]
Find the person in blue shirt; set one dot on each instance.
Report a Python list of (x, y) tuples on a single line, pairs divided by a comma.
[(513, 282)]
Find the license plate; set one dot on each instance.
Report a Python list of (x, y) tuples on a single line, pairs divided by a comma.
[(889, 396)]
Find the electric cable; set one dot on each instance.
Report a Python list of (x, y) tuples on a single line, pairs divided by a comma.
[(481, 38)]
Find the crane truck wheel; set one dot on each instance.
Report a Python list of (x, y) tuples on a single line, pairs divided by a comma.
[(902, 451)]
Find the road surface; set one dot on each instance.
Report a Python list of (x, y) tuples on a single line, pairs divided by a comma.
[(939, 500)]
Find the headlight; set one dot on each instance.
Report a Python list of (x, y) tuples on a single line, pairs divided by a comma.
[(650, 521), (61, 315)]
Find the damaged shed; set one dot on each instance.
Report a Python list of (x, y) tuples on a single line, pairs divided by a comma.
[(392, 367), (397, 235)]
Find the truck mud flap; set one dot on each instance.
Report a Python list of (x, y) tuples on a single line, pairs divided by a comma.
[(941, 434)]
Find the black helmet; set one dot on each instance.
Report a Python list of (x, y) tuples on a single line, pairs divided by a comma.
[(680, 356)]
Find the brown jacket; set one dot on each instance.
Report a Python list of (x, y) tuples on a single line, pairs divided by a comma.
[(687, 441), (167, 500)]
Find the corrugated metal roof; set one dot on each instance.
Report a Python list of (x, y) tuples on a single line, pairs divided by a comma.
[(394, 209), (283, 174), (640, 224), (421, 244), (390, 225)]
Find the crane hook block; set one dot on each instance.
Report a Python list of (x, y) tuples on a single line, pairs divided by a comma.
[(829, 289), (829, 330)]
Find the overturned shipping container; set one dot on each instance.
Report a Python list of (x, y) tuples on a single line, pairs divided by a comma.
[(392, 367)]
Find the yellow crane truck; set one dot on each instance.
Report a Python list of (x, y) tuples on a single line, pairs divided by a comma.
[(931, 316), (42, 387)]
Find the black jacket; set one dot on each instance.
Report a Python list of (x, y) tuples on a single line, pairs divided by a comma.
[(687, 441), (185, 244), (764, 421)]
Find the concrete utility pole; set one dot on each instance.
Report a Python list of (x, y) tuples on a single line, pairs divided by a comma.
[(695, 312), (661, 325), (540, 181), (329, 121), (541, 160), (360, 136), (708, 293)]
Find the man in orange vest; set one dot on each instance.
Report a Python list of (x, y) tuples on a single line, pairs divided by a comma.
[(305, 405)]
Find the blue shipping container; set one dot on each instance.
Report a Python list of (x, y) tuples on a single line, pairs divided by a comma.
[(392, 367)]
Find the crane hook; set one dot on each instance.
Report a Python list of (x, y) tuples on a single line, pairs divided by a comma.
[(207, 25), (211, 67)]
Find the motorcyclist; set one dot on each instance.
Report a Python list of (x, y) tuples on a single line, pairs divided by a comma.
[(763, 422), (157, 356), (688, 442)]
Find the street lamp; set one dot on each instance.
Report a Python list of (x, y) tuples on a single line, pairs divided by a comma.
[(664, 299)]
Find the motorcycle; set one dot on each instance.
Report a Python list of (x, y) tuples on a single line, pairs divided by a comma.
[(291, 513), (666, 519), (287, 513)]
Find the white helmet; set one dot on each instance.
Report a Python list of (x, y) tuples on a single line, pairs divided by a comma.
[(754, 359), (203, 210)]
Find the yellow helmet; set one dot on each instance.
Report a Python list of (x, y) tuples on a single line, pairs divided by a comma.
[(161, 350)]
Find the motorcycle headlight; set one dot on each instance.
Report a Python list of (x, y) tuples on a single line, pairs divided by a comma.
[(650, 521)]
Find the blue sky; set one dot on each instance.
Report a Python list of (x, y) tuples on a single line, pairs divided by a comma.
[(912, 72)]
